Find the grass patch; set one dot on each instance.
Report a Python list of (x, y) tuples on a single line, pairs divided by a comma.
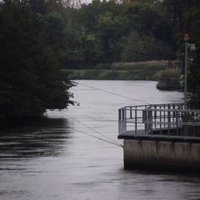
[(120, 71)]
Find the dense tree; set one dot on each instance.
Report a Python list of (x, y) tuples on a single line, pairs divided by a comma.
[(39, 37), (194, 70), (30, 76), (141, 48), (111, 24), (184, 17)]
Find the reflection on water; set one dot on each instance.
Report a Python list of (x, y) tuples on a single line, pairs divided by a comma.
[(52, 160), (41, 138)]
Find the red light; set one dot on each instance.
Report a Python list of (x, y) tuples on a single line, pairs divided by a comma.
[(186, 37)]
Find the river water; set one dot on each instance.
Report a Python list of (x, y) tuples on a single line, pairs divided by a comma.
[(56, 159)]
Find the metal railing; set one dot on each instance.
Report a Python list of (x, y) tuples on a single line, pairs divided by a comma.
[(166, 120)]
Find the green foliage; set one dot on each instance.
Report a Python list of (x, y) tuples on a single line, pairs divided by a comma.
[(193, 16), (30, 77), (194, 81), (112, 26), (121, 71), (39, 37), (170, 72), (141, 48)]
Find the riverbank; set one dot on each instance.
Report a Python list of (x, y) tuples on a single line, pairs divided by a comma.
[(148, 70)]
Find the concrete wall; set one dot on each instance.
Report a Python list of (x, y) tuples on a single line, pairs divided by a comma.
[(168, 83), (162, 155)]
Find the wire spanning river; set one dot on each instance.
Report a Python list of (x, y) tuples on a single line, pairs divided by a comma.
[(72, 155)]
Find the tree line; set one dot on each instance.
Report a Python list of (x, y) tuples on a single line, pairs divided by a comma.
[(32, 44), (38, 38)]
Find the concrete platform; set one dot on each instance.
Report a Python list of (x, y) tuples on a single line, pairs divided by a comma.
[(162, 155)]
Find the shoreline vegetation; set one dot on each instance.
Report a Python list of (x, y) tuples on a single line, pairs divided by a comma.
[(156, 70), (146, 70), (168, 78), (48, 43)]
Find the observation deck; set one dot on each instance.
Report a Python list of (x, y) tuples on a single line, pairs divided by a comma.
[(159, 122)]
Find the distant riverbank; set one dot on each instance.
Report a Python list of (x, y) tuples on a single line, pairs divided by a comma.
[(148, 70)]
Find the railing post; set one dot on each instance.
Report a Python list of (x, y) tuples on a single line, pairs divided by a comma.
[(124, 119), (149, 120), (144, 119), (119, 122), (136, 120)]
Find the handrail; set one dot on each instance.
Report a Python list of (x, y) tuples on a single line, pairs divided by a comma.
[(163, 119)]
